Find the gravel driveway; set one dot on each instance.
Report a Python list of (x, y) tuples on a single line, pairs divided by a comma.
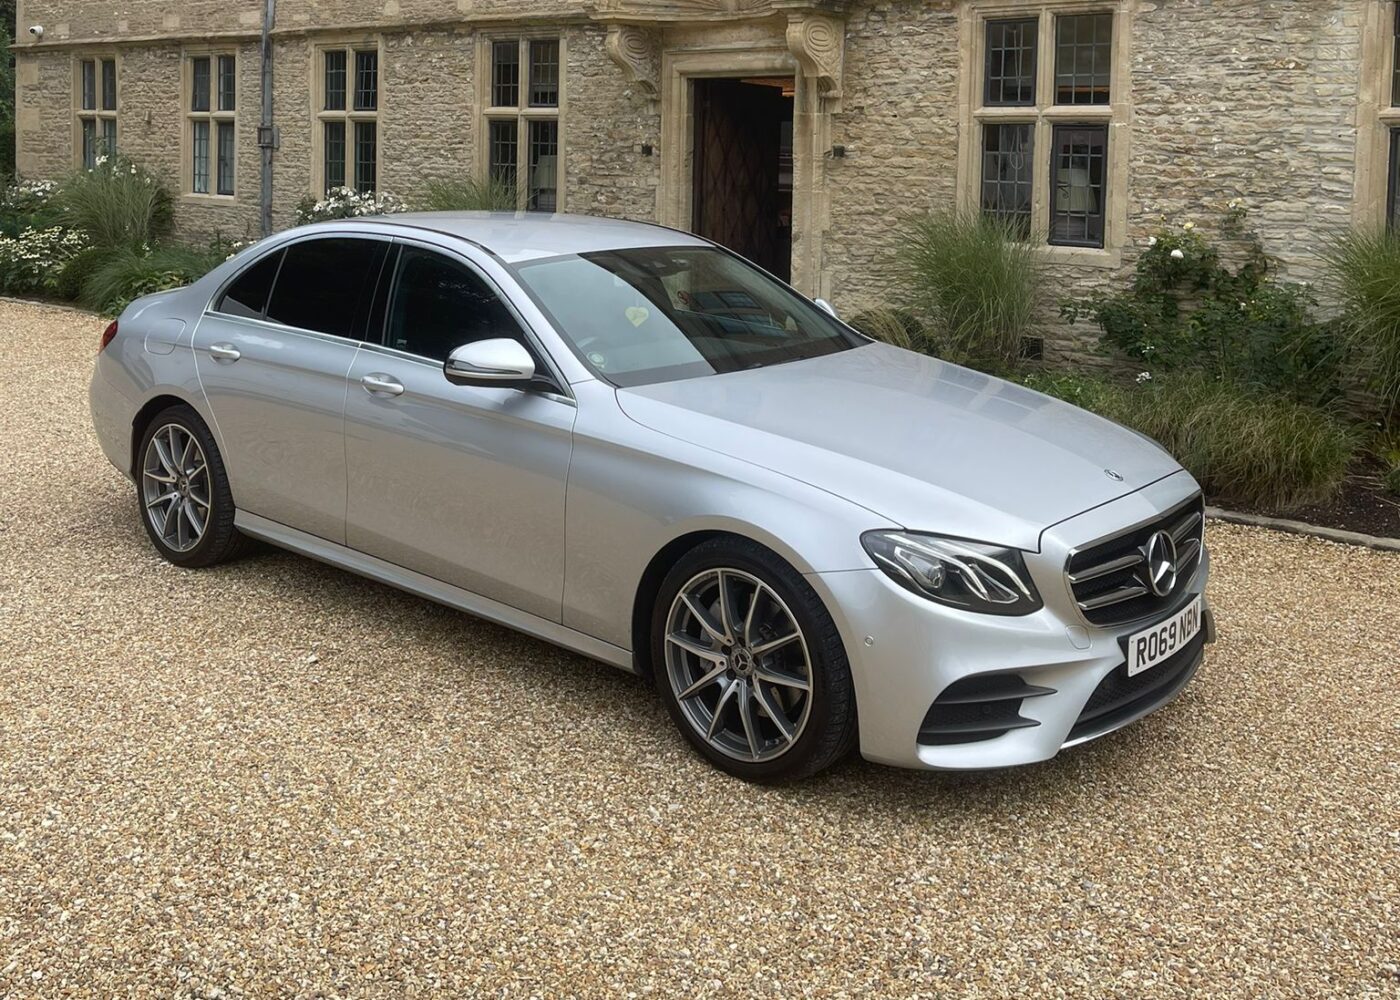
[(276, 778)]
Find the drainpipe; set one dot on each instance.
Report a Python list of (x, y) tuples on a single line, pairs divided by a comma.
[(267, 132)]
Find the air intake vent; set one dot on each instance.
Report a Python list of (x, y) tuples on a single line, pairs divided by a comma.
[(1142, 572), (978, 708)]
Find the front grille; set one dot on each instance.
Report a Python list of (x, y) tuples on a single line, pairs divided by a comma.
[(1119, 696), (1110, 579), (978, 708)]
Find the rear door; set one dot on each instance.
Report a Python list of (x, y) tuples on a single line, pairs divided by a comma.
[(272, 357), (461, 483)]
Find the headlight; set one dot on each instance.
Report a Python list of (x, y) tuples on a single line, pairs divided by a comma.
[(969, 575)]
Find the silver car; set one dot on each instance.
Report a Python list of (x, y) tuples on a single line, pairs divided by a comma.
[(627, 441)]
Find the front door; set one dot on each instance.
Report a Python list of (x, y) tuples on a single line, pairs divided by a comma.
[(742, 170), (460, 483)]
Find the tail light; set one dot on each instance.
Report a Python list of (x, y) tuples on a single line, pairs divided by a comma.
[(108, 335)]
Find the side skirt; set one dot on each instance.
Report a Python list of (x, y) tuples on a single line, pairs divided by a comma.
[(434, 590)]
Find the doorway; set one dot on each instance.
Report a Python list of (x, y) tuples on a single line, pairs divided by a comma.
[(742, 171)]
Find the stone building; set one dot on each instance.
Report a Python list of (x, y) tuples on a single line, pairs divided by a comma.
[(797, 131)]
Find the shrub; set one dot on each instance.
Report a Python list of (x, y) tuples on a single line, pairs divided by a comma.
[(466, 195), (1243, 446), (346, 203), (977, 282), (31, 263), (1364, 267), (899, 327), (1388, 451), (1187, 311), (27, 205), (124, 274), (115, 204)]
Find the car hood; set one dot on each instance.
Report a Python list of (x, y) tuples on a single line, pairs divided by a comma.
[(926, 444)]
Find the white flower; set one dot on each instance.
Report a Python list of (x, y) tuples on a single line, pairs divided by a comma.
[(1188, 226), (1143, 377), (1152, 241), (1234, 204), (1178, 255)]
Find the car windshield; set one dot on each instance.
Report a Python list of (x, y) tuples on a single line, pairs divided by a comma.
[(661, 313)]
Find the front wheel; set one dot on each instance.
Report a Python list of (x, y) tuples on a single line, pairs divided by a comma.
[(186, 504), (751, 665)]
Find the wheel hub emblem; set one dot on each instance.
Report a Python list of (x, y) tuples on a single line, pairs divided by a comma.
[(1160, 554), (742, 662)]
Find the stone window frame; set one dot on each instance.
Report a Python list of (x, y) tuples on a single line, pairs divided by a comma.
[(214, 116), (522, 113), (1045, 115), (1378, 115), (98, 114), (349, 44)]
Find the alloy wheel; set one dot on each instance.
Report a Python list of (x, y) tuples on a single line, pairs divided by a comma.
[(738, 665), (175, 487)]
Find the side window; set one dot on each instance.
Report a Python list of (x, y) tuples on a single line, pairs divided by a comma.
[(438, 305), (247, 296), (323, 284)]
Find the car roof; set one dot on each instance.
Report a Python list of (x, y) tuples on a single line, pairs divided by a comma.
[(522, 236)]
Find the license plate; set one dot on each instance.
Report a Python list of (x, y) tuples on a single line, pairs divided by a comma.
[(1151, 646)]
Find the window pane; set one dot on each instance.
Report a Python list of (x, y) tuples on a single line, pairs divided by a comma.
[(544, 73), (334, 143), (1392, 212), (1083, 58), (226, 157), (504, 154), (1395, 73), (505, 74), (366, 155), (1078, 168), (109, 85), (1011, 49), (367, 81), (89, 143), (109, 136), (89, 87), (228, 83), (200, 173), (544, 158), (1007, 165), (439, 305), (199, 84), (311, 287), (335, 80), (247, 296)]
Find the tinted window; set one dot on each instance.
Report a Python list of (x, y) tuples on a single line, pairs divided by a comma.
[(247, 296), (322, 283), (439, 305)]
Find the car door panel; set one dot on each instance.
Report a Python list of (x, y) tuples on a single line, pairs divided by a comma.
[(460, 483)]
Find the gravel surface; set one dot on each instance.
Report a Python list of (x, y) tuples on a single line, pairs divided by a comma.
[(276, 778)]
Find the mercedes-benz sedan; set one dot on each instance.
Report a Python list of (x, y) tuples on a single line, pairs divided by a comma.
[(628, 441)]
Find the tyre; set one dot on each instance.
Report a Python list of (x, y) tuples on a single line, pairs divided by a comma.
[(183, 491), (750, 664)]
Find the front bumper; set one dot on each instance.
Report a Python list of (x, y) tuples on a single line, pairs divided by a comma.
[(905, 651)]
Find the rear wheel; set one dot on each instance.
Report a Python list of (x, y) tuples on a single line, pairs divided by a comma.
[(186, 504), (750, 663)]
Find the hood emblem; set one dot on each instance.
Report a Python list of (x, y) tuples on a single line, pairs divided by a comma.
[(1113, 475), (1160, 553)]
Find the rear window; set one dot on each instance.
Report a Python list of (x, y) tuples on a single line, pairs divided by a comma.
[(247, 296), (322, 282)]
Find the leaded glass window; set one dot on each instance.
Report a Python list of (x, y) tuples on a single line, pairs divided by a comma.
[(1078, 172), (1011, 62), (1008, 164), (1083, 58)]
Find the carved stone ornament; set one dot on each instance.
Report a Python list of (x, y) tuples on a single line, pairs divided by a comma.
[(638, 51), (818, 43)]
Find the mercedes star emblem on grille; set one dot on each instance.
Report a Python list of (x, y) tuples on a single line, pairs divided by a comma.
[(1160, 553), (1112, 475)]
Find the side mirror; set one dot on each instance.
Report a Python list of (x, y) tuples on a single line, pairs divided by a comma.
[(500, 362), (825, 307)]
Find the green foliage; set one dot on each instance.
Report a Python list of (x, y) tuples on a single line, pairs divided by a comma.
[(123, 274), (1364, 266), (1187, 311), (115, 204), (1387, 449), (1242, 445), (976, 281), (899, 327), (346, 203), (31, 263), (28, 205), (466, 195)]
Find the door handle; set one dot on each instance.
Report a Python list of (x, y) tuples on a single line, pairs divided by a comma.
[(380, 384), (224, 352)]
